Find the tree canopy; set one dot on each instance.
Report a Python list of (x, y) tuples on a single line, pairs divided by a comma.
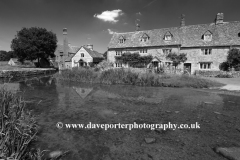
[(6, 56), (34, 43), (233, 60)]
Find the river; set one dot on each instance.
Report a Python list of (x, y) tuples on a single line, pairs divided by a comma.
[(52, 101)]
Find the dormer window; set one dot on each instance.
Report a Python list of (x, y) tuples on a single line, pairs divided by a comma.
[(122, 39), (168, 36), (82, 54), (207, 36), (145, 38)]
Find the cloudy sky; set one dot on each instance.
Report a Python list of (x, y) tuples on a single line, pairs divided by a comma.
[(94, 21)]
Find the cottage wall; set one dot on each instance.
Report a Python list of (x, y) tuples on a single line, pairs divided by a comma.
[(194, 56), (154, 51), (87, 58)]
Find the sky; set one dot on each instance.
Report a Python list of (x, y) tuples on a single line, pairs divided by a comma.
[(94, 21)]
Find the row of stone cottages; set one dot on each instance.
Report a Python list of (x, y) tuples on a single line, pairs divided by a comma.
[(206, 45)]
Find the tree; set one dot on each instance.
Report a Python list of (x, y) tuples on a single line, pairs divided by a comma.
[(233, 60), (6, 56), (134, 59), (34, 43), (177, 59)]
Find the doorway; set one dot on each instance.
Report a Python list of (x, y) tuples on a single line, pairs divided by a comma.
[(187, 67)]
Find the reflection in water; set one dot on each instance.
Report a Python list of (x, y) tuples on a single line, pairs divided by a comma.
[(84, 103)]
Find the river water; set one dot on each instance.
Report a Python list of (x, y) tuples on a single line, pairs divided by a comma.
[(52, 101)]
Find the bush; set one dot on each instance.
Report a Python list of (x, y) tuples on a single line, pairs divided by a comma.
[(224, 66), (224, 75), (104, 65)]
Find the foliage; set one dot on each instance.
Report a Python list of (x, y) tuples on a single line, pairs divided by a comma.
[(134, 60), (233, 60), (126, 76), (224, 66), (224, 75), (18, 127), (6, 56), (105, 55), (177, 59), (34, 43), (103, 65)]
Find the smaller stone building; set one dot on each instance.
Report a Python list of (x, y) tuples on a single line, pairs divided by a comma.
[(68, 56)]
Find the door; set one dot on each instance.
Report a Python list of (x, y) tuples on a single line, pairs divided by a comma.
[(187, 68)]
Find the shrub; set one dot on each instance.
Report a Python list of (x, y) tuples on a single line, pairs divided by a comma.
[(224, 75)]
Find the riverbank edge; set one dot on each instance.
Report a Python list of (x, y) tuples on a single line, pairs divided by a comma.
[(26, 72)]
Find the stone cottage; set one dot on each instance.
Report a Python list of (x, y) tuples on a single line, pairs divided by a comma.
[(206, 45), (68, 56)]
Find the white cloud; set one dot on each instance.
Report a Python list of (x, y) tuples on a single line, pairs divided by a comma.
[(109, 16), (110, 31), (139, 13)]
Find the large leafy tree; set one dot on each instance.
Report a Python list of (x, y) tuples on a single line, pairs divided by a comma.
[(34, 43)]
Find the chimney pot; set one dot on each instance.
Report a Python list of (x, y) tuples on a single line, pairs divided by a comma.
[(182, 24), (90, 46), (65, 31), (219, 18)]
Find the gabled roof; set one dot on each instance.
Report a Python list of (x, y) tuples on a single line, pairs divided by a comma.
[(92, 53), (168, 34), (225, 34), (145, 35), (133, 38), (208, 33)]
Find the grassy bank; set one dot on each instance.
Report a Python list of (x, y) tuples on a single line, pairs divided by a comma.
[(18, 130), (123, 76)]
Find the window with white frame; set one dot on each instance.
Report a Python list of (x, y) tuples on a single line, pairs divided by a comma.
[(143, 50), (168, 36), (206, 51), (82, 54), (205, 65), (118, 65), (118, 53), (166, 51)]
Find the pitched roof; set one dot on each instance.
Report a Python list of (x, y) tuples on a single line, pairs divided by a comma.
[(225, 34), (71, 49), (14, 60), (93, 54)]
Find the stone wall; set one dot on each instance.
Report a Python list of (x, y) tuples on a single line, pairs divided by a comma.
[(25, 72), (216, 73)]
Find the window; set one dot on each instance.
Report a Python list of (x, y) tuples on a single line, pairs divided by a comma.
[(118, 53), (82, 54), (121, 39), (143, 50), (239, 34), (207, 36), (205, 65), (145, 38), (167, 51), (118, 65), (206, 51), (61, 53), (168, 36)]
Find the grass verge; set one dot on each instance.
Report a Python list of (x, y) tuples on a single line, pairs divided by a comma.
[(123, 76)]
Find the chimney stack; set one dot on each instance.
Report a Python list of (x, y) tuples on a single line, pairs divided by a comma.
[(90, 46), (65, 42), (219, 18), (182, 23)]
